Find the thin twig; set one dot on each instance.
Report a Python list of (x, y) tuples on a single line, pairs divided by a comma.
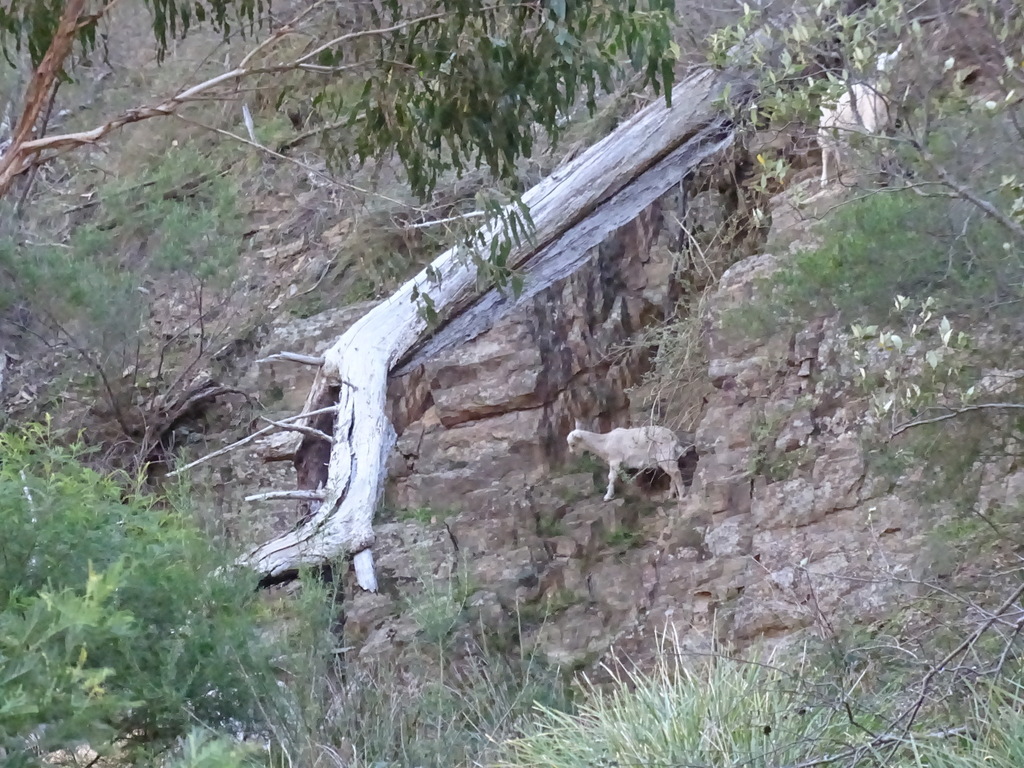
[(250, 438), (953, 414), (297, 495), (881, 741), (292, 160), (301, 429), (911, 714), (293, 357), (435, 222), (296, 140), (969, 194)]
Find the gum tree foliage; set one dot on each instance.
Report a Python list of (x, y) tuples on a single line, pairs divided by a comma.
[(448, 84), (31, 25), (464, 85)]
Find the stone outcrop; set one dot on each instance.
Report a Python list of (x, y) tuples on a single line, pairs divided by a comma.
[(783, 529)]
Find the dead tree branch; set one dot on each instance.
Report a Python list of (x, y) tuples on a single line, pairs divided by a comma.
[(573, 210), (953, 414), (250, 438)]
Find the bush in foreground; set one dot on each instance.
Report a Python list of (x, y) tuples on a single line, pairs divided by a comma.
[(720, 712), (113, 631)]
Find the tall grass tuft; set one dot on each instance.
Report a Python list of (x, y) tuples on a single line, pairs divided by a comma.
[(686, 711)]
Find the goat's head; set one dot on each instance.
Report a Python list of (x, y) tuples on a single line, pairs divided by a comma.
[(574, 441), (886, 61)]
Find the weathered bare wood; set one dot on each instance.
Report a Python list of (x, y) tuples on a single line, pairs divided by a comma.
[(366, 353), (294, 495), (248, 439), (565, 255), (300, 429), (292, 357)]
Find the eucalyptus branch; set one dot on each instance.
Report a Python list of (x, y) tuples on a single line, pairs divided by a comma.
[(25, 153), (968, 194), (953, 414)]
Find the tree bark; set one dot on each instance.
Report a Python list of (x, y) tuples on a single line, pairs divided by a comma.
[(356, 368), (13, 162)]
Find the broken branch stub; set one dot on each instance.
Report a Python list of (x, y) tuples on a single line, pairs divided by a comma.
[(365, 354)]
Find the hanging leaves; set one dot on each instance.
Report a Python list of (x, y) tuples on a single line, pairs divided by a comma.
[(468, 83), (30, 25)]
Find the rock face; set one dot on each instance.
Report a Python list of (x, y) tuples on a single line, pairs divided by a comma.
[(783, 528), (495, 412)]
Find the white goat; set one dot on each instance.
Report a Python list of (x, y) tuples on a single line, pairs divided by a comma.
[(638, 448), (861, 108)]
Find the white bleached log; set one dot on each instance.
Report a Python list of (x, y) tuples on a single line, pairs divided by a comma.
[(367, 352)]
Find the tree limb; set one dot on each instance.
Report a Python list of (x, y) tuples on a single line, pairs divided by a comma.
[(298, 428), (297, 495), (25, 153), (292, 357), (246, 440), (953, 414), (565, 202), (43, 81), (968, 194)]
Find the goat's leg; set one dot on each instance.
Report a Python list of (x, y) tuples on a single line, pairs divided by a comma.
[(825, 152), (613, 472), (672, 469)]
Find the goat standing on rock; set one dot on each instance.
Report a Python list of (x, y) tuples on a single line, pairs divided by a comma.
[(862, 108), (637, 448)]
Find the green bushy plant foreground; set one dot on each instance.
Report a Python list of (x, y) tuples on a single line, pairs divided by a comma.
[(724, 713), (113, 629), (120, 631)]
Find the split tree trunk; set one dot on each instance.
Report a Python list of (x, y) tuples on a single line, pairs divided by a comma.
[(574, 209)]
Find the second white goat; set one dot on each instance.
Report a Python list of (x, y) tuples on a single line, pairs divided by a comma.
[(637, 448), (862, 108)]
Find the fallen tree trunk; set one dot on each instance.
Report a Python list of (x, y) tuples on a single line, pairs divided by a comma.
[(573, 210)]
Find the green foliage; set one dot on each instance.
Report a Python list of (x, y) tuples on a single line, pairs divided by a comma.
[(203, 749), (462, 84), (885, 245), (954, 108), (723, 713), (623, 538), (550, 524), (424, 515), (32, 24), (769, 460), (181, 216), (549, 604), (720, 712), (446, 696), (453, 716), (438, 606), (996, 741), (176, 223), (113, 628)]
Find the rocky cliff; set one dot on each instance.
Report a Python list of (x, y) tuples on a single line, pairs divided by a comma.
[(784, 528)]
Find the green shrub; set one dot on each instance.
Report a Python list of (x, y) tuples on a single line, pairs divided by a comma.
[(136, 287), (721, 712), (114, 630), (888, 244), (426, 706)]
